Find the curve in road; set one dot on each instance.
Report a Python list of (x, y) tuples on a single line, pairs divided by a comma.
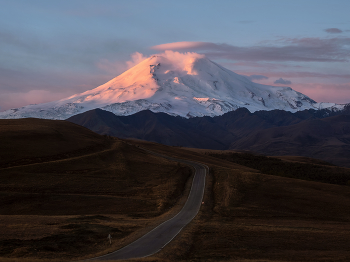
[(159, 237)]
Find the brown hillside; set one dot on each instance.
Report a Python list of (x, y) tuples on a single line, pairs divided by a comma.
[(251, 216), (63, 209), (30, 140), (79, 188)]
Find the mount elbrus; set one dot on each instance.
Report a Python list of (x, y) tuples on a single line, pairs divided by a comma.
[(186, 85)]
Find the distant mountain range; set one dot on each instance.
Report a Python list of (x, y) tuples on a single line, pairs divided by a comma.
[(187, 100), (322, 134), (187, 85)]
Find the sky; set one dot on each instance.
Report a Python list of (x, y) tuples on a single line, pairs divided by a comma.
[(50, 50)]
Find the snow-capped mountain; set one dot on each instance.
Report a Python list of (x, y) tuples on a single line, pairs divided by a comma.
[(187, 85)]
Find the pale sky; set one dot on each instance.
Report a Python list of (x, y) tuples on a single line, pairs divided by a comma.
[(53, 49)]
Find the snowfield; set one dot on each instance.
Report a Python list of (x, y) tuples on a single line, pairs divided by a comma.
[(186, 85)]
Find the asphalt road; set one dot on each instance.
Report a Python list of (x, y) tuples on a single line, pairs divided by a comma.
[(159, 237)]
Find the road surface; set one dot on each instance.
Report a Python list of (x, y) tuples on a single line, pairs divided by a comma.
[(159, 237)]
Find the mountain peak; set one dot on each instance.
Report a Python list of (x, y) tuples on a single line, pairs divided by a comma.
[(184, 84)]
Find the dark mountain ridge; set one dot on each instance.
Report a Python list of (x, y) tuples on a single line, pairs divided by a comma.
[(322, 134)]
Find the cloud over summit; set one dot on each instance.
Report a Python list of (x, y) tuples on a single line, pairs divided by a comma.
[(283, 81)]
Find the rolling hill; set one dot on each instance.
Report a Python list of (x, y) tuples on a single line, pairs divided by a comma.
[(64, 188), (63, 205), (322, 134)]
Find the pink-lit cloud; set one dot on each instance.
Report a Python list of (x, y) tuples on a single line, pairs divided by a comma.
[(176, 58), (285, 49), (136, 58), (258, 70), (316, 89), (179, 45), (22, 88), (336, 93), (265, 65), (298, 74), (283, 81), (18, 99), (313, 74), (180, 60), (257, 77)]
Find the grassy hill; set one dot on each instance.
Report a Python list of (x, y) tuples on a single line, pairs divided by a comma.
[(251, 216), (30, 140), (63, 189), (326, 139), (63, 208)]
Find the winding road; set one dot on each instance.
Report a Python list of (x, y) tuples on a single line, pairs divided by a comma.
[(159, 237)]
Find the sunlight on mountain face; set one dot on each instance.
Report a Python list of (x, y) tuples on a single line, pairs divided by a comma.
[(141, 81), (184, 84)]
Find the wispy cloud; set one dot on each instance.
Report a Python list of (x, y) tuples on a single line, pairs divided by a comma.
[(22, 49), (178, 60), (18, 99), (300, 74), (283, 81), (61, 64), (333, 30), (180, 45), (285, 49), (19, 88), (266, 66), (135, 59), (257, 77), (246, 21), (336, 93), (118, 67)]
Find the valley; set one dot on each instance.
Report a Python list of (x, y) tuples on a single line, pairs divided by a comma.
[(250, 216), (174, 131), (61, 207)]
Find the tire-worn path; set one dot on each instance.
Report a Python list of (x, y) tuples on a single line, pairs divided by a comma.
[(159, 237)]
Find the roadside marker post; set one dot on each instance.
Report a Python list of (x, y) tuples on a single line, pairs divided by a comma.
[(110, 239)]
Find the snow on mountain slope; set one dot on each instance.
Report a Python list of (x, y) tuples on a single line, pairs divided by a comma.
[(187, 85)]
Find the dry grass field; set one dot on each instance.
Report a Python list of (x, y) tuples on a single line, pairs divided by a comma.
[(60, 205), (250, 216), (30, 140), (63, 203)]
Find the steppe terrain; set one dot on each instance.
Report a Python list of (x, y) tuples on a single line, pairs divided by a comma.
[(78, 188), (63, 189)]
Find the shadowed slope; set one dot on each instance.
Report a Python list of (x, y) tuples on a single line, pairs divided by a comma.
[(68, 188), (327, 139), (34, 140), (306, 133), (146, 125)]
